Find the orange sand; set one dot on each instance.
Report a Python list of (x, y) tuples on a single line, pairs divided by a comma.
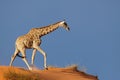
[(53, 73)]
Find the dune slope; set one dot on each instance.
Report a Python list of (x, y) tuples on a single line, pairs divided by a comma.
[(53, 73)]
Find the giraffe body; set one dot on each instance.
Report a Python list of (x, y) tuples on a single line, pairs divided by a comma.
[(32, 40)]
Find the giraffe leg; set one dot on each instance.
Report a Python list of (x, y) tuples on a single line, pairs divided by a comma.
[(26, 62), (33, 56), (44, 54), (14, 56), (24, 59)]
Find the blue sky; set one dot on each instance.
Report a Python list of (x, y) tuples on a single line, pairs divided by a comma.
[(93, 42)]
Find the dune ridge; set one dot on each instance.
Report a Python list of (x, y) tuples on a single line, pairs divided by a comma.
[(53, 73)]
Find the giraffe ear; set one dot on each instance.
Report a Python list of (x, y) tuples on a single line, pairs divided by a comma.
[(62, 22)]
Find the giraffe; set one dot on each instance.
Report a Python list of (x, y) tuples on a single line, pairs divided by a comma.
[(32, 40)]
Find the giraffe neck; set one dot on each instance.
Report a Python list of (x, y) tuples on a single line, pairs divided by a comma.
[(47, 29)]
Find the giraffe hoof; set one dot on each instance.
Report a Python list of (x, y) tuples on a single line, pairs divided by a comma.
[(46, 68)]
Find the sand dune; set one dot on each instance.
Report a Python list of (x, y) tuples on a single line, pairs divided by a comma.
[(53, 73)]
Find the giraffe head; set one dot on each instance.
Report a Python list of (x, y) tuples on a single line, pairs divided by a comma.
[(64, 25)]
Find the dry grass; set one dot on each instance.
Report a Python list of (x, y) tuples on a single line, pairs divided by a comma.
[(75, 67), (12, 75), (69, 68)]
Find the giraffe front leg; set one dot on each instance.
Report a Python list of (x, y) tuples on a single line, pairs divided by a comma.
[(33, 56), (44, 54), (26, 62), (24, 59)]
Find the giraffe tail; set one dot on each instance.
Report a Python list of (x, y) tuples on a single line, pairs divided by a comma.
[(20, 56)]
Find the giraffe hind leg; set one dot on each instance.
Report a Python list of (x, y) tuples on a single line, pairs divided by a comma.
[(14, 56)]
